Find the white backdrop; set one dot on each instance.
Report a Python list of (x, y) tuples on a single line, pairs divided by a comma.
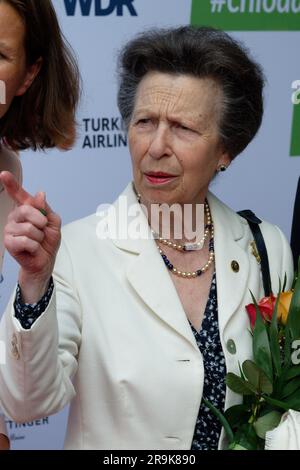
[(263, 179)]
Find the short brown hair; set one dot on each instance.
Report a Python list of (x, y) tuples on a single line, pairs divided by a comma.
[(205, 53), (44, 116)]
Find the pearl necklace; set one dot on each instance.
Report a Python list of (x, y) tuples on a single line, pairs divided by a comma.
[(191, 274), (188, 246)]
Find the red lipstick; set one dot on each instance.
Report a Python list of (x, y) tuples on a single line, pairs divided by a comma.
[(159, 177)]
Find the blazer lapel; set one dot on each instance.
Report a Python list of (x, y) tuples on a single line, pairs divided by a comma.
[(231, 259), (151, 280), (149, 277)]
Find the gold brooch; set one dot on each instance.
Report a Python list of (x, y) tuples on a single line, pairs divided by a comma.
[(255, 252)]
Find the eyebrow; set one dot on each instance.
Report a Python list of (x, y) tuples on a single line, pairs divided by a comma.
[(189, 117)]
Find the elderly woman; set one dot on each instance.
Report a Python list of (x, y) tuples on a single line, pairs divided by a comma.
[(136, 331), (39, 84)]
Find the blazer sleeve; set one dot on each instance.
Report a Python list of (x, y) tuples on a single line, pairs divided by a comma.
[(36, 379)]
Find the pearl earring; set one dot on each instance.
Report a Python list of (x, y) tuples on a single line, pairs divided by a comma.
[(221, 168)]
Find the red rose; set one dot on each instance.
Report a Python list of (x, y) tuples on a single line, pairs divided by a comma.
[(266, 306)]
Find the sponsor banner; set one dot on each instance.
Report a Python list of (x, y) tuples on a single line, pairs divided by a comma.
[(97, 7), (247, 15), (295, 139), (103, 133), (45, 434)]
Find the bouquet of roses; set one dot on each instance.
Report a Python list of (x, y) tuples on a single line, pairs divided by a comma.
[(270, 383)]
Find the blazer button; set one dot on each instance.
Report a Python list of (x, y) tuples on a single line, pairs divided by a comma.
[(231, 347), (235, 266)]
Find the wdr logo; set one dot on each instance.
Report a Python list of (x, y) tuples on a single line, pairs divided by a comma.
[(100, 10)]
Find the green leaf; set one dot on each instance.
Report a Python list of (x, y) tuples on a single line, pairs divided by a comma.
[(293, 401), (286, 375), (247, 437), (284, 282), (251, 372), (297, 272), (267, 423), (261, 346), (274, 340), (222, 420), (293, 321), (293, 371), (237, 415), (239, 385), (235, 446), (257, 378), (278, 403), (265, 384), (241, 371), (290, 387), (287, 348), (292, 328)]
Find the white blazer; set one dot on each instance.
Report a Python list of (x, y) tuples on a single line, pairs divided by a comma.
[(115, 340)]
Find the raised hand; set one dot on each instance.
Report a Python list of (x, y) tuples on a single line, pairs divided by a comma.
[(32, 236)]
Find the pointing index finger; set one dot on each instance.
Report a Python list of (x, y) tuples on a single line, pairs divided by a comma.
[(15, 190)]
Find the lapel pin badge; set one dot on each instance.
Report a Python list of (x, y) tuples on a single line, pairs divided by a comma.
[(255, 252)]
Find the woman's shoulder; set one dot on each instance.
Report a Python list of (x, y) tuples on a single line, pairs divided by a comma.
[(270, 231), (237, 226)]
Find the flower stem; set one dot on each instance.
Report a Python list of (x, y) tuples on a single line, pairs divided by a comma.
[(222, 420)]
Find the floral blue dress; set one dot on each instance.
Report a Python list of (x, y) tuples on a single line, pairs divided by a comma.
[(208, 428)]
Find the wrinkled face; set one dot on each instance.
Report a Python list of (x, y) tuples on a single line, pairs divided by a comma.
[(15, 76), (173, 137)]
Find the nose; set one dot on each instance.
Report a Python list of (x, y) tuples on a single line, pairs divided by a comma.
[(160, 145)]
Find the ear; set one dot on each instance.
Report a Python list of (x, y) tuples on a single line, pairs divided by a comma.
[(224, 159), (31, 73)]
